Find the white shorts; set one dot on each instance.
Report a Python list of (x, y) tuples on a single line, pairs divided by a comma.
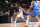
[(20, 15)]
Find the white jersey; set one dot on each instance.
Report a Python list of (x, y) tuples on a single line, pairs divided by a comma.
[(20, 14), (21, 11)]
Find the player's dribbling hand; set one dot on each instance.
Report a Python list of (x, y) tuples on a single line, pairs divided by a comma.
[(15, 13), (22, 9)]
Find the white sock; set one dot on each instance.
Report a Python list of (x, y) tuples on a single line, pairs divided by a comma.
[(15, 21), (11, 21), (26, 22), (37, 23)]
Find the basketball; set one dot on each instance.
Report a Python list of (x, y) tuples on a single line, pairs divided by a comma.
[(15, 13)]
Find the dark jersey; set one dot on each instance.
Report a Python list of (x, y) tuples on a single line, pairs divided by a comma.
[(12, 10), (17, 9)]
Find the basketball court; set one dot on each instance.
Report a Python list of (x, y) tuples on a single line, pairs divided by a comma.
[(18, 24)]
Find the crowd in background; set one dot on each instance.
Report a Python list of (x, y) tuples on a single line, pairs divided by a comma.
[(5, 5)]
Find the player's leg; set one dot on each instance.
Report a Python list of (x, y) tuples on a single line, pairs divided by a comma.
[(28, 17), (11, 18), (37, 18), (27, 20), (38, 23), (37, 14), (24, 19), (16, 19), (18, 15), (11, 14)]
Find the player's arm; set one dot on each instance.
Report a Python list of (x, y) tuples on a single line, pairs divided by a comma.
[(31, 5), (33, 8), (24, 11)]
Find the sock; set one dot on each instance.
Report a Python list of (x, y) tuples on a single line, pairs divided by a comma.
[(26, 22), (11, 21), (15, 21), (37, 23)]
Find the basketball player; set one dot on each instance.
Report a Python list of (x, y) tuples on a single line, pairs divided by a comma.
[(36, 12), (30, 13), (19, 14)]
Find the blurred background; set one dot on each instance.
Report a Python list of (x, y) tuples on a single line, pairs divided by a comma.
[(5, 9)]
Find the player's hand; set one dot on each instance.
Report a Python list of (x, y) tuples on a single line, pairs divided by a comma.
[(15, 13), (22, 9)]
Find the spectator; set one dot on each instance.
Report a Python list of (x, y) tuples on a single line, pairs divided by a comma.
[(6, 1)]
